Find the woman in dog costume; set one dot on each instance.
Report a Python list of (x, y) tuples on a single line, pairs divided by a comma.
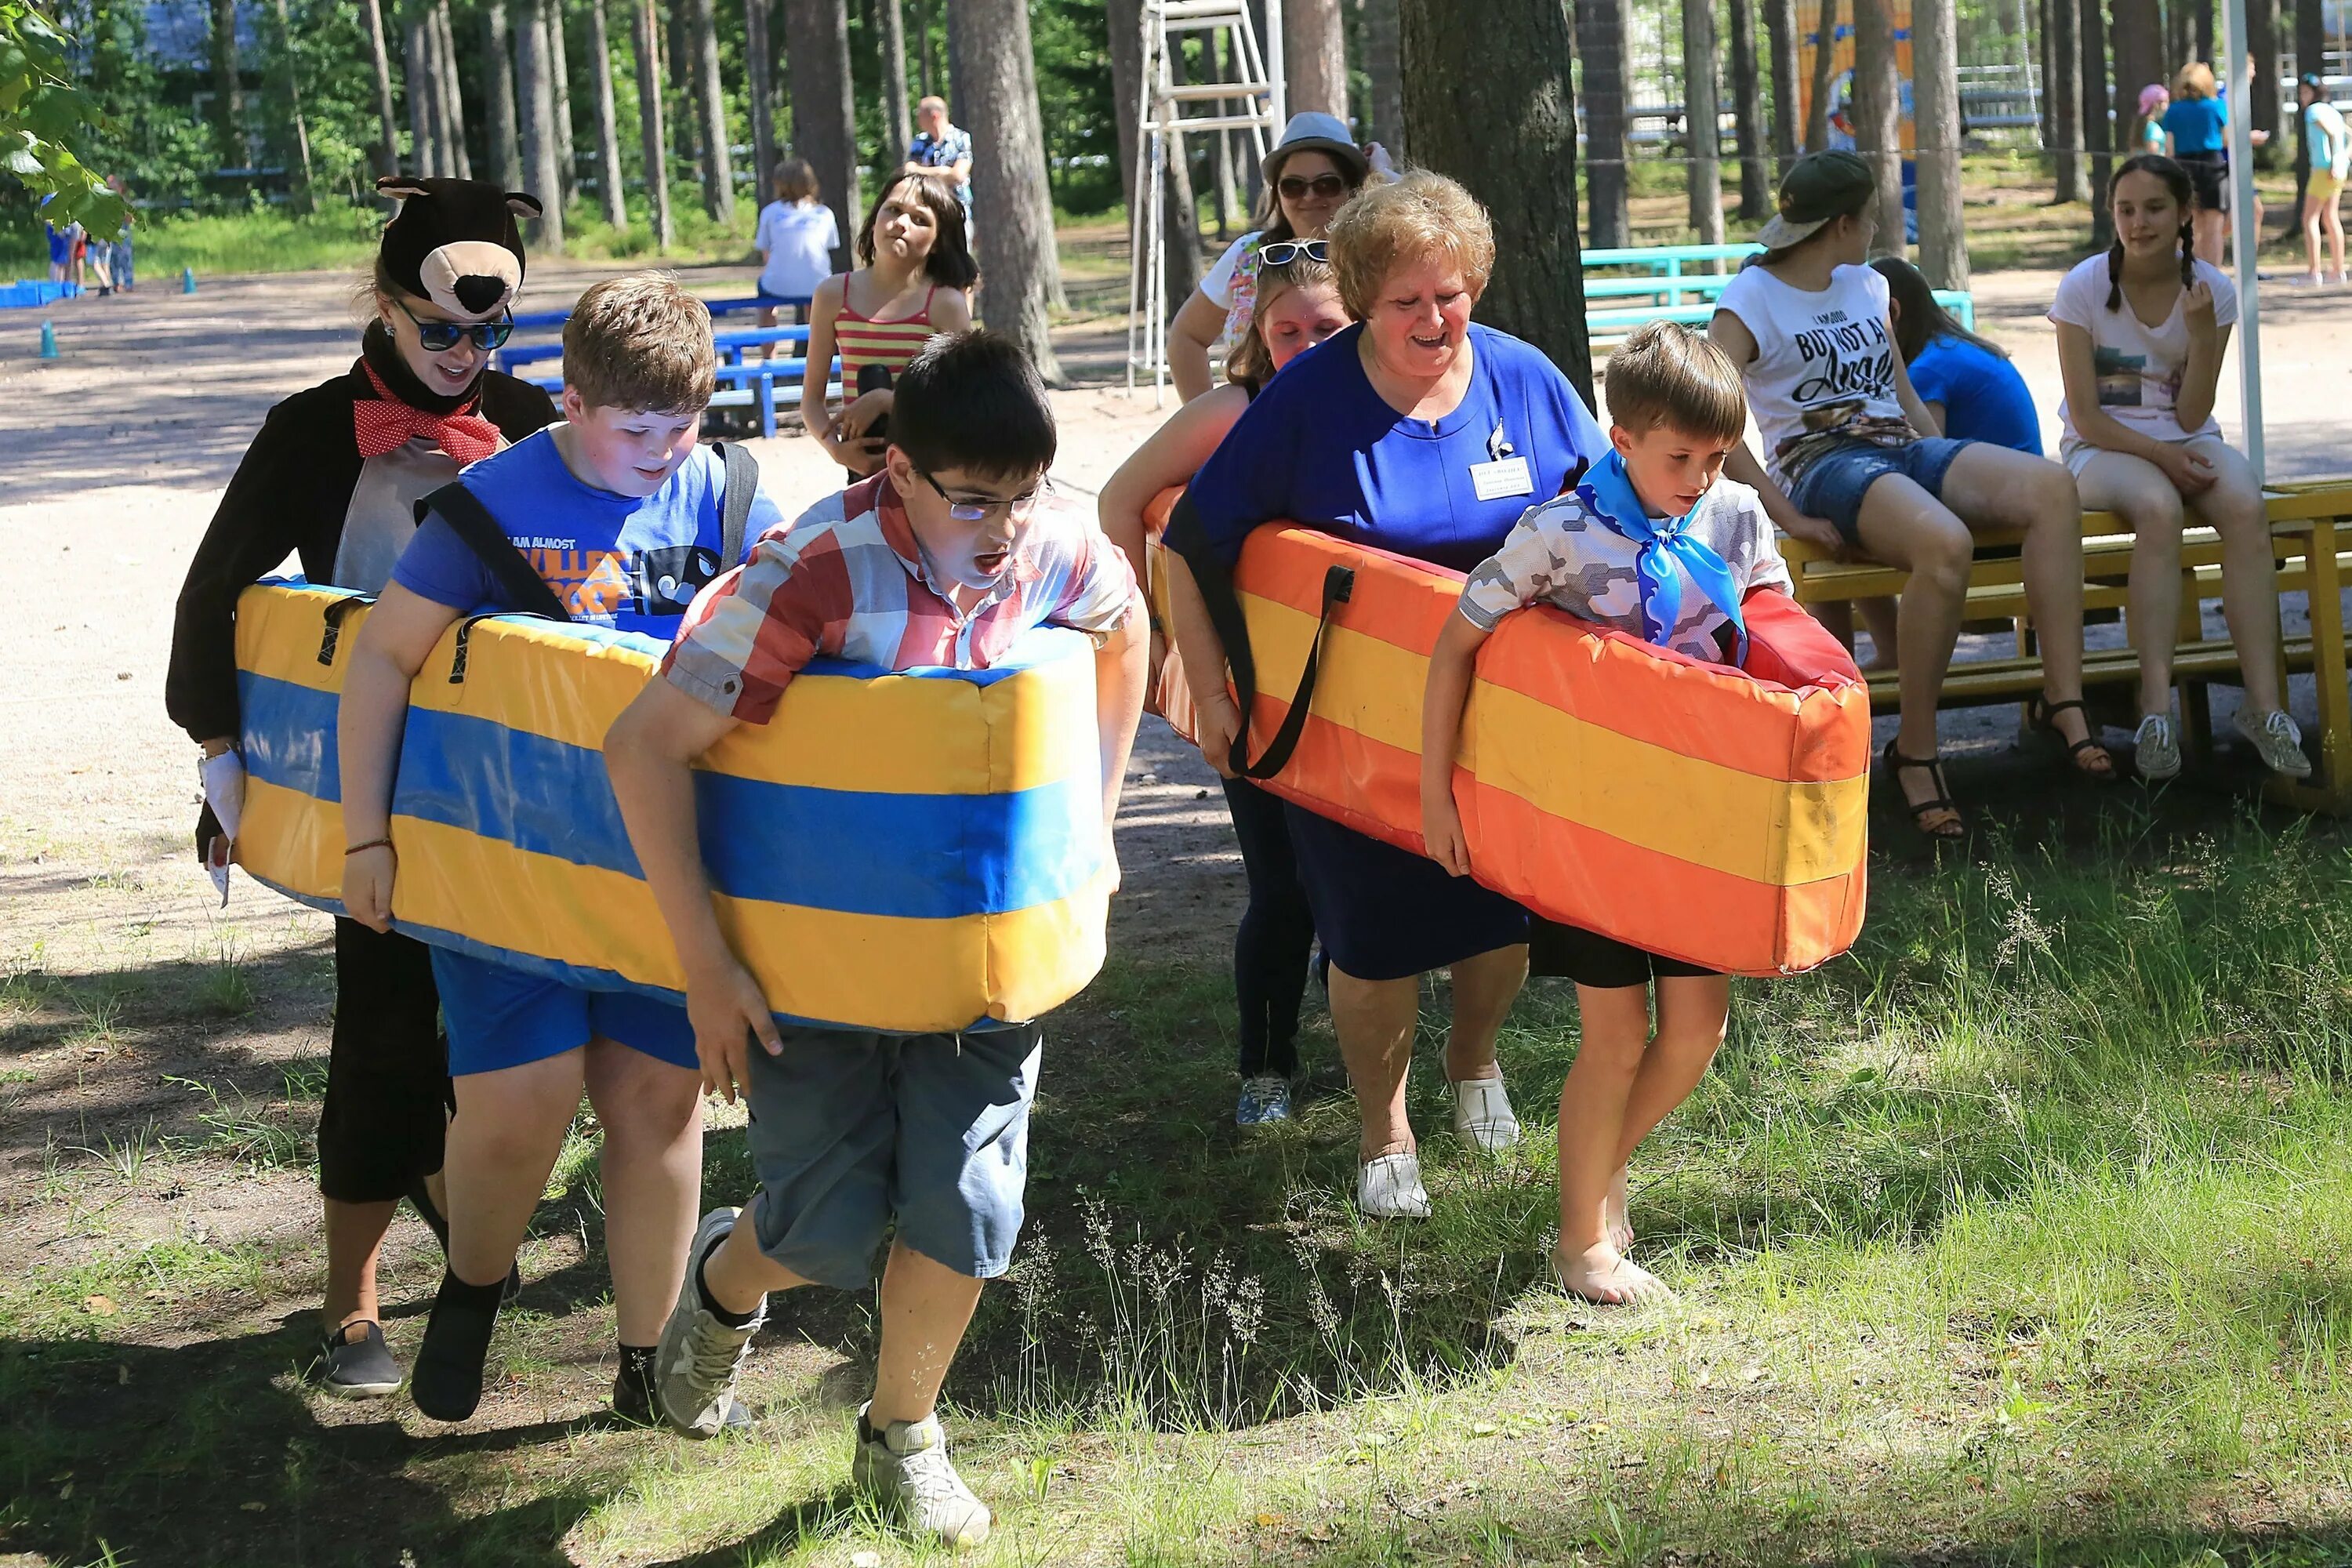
[(333, 477)]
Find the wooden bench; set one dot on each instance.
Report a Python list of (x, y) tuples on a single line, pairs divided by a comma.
[(2311, 539)]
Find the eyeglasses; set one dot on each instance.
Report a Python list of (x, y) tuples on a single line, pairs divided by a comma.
[(1021, 505), (1283, 252), (1295, 188), (440, 337)]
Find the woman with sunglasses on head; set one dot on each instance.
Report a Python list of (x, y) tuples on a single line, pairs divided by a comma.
[(333, 477), (1310, 175)]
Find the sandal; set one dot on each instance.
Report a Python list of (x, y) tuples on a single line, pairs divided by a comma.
[(1920, 811), (2043, 714)]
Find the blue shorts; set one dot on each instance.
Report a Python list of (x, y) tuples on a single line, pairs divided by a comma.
[(852, 1130), (499, 1016), (1832, 485)]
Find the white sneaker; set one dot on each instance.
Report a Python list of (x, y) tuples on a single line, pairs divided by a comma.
[(699, 1358), (1482, 1114), (1390, 1188), (2277, 741), (904, 1469), (2156, 749)]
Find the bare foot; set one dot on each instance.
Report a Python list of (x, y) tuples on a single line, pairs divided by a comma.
[(1616, 1218), (1600, 1275)]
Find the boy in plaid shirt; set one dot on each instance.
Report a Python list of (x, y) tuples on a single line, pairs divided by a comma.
[(944, 557)]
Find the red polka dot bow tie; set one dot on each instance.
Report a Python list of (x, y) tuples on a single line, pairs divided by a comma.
[(382, 424)]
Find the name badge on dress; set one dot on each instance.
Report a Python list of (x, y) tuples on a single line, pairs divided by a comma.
[(1503, 476)]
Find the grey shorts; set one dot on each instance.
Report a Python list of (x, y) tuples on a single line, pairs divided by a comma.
[(852, 1130)]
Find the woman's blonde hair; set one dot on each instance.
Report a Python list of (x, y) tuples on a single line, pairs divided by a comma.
[(2195, 80), (1251, 364), (1409, 220)]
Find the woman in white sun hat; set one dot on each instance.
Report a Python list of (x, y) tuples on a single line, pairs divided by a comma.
[(1314, 168)]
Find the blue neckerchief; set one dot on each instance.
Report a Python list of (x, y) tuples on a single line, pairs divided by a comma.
[(1607, 492)]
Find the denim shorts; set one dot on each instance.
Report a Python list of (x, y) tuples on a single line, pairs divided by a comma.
[(1834, 484), (500, 1016), (852, 1130)]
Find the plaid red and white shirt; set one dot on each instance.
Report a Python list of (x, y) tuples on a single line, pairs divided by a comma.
[(846, 581)]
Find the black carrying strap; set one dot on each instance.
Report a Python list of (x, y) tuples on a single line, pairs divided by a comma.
[(331, 620), (1186, 536), (735, 514), (517, 578)]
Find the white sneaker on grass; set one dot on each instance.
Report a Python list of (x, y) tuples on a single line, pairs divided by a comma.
[(699, 1357), (1265, 1098), (1482, 1114), (2156, 749), (1390, 1188), (904, 1469), (2275, 740)]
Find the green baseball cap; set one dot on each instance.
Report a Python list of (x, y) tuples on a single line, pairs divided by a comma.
[(1818, 187)]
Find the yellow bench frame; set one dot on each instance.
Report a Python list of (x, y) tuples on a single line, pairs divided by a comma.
[(2311, 538)]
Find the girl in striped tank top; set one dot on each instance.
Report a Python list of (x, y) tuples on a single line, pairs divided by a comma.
[(916, 282)]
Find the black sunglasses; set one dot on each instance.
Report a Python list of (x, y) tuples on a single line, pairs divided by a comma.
[(1283, 252), (440, 337), (1295, 187)]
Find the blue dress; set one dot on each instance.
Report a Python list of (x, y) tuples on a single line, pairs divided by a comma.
[(1983, 397), (1320, 448)]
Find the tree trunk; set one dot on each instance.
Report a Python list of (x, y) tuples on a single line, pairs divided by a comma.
[(1877, 116), (559, 77), (1817, 108), (2098, 137), (497, 95), (228, 90), (898, 120), (2202, 15), (1748, 115), (2044, 60), (1222, 193), (1935, 108), (1179, 230), (647, 24), (824, 122), (996, 91), (760, 66), (1512, 69), (609, 178), (1181, 223), (1780, 44), (2065, 92), (1387, 79), (1315, 57), (537, 93), (1602, 29), (418, 77), (684, 121), (2180, 37), (718, 165), (2135, 27), (922, 51), (288, 68), (452, 97), (1702, 121), (2263, 42), (386, 154)]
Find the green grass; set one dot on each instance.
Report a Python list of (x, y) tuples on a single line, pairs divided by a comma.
[(2017, 1236)]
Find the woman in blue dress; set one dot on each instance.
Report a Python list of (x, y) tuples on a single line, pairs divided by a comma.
[(1418, 433)]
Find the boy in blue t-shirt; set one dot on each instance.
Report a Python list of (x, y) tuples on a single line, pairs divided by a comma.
[(621, 516)]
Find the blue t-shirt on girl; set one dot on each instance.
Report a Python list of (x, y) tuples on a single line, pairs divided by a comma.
[(1320, 448), (629, 562), (2195, 124), (1983, 397)]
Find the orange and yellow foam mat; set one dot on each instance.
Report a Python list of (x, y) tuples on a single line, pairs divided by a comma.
[(1713, 814), (911, 852)]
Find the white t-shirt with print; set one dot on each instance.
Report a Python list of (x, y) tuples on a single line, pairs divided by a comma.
[(800, 239), (1824, 359), (1560, 553), (2138, 367)]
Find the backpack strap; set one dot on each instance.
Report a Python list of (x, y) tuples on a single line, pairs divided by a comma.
[(735, 511), (517, 578), (1186, 536)]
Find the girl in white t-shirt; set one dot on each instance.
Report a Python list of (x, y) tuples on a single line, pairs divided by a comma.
[(2141, 334), (1310, 175), (796, 239), (1857, 462)]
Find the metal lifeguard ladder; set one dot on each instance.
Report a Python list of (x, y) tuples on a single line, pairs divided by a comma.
[(1252, 102)]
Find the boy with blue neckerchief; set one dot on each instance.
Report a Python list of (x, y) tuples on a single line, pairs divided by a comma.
[(1652, 540)]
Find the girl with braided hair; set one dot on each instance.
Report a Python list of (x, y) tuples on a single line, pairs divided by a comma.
[(2142, 330)]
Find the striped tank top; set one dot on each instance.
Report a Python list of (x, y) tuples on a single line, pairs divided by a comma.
[(889, 343)]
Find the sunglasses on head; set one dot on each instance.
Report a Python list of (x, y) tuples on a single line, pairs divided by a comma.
[(1283, 252), (440, 337), (1296, 186)]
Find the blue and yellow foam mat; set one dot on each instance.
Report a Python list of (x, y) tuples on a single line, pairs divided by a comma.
[(911, 852)]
